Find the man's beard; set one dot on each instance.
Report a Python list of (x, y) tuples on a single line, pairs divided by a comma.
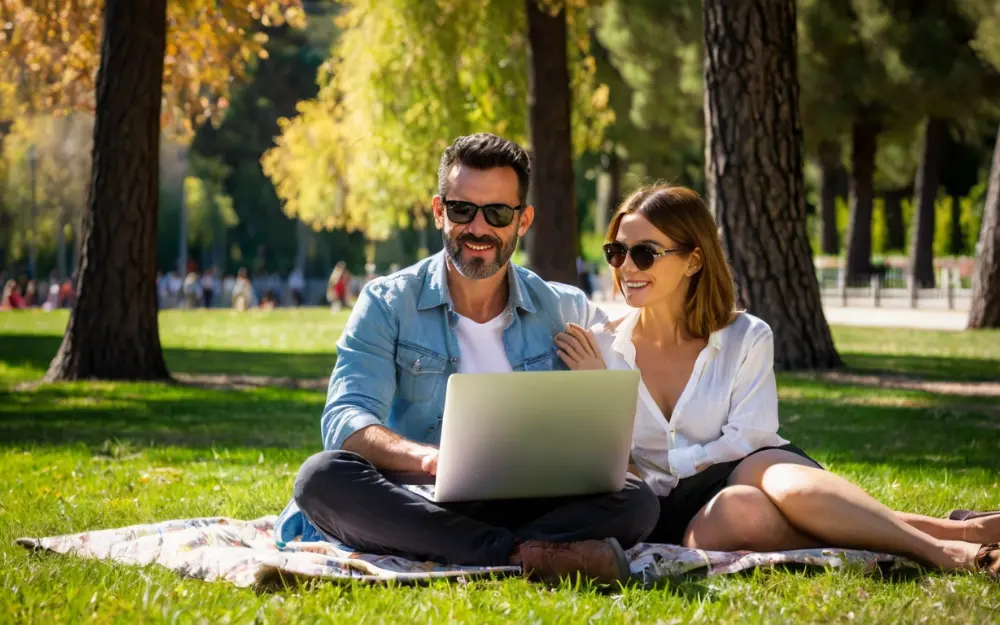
[(479, 268)]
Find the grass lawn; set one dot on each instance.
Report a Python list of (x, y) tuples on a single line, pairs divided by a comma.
[(96, 455)]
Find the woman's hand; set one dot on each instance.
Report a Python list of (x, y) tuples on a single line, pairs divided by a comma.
[(577, 347)]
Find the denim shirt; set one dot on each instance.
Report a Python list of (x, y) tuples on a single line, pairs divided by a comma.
[(399, 347)]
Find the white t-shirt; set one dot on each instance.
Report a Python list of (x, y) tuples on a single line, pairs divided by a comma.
[(481, 346)]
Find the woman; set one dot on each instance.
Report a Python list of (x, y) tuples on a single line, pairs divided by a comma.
[(336, 287), (11, 298), (705, 436)]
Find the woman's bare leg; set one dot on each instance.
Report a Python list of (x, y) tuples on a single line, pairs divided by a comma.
[(743, 518), (824, 505)]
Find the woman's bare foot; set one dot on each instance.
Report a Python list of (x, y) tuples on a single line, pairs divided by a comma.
[(955, 555), (982, 530)]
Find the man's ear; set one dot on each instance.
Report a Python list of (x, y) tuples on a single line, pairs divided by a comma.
[(438, 210), (694, 262), (527, 216)]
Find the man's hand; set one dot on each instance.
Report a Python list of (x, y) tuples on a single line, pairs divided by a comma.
[(577, 347), (429, 463)]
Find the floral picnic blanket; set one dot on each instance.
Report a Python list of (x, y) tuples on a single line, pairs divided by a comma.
[(245, 554)]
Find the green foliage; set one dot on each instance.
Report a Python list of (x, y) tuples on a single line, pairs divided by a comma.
[(655, 55), (62, 151), (972, 215), (970, 218), (264, 237), (209, 208), (591, 248), (364, 154), (879, 227)]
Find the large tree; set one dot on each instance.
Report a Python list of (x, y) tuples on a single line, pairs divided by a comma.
[(200, 45), (985, 311), (555, 245), (754, 173), (364, 154), (927, 182), (113, 330), (864, 141)]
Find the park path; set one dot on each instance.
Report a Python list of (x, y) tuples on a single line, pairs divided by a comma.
[(860, 316)]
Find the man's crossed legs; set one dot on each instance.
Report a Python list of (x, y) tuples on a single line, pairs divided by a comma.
[(350, 500)]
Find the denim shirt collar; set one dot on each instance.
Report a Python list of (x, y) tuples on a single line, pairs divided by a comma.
[(434, 291)]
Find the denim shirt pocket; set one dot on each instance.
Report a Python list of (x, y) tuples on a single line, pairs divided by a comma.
[(420, 371), (546, 361)]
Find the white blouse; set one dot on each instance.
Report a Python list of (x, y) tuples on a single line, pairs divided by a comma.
[(728, 409)]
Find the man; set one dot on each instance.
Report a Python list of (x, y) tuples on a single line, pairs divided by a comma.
[(468, 310)]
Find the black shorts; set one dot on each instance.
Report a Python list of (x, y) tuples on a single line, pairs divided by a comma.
[(692, 493)]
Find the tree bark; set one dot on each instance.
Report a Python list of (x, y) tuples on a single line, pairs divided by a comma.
[(6, 221), (753, 158), (895, 231), (829, 163), (956, 238), (113, 331), (554, 248), (864, 143), (609, 192), (61, 241), (928, 177), (985, 311)]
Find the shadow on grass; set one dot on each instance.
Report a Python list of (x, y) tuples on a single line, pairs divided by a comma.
[(834, 426), (954, 368), (838, 423), (37, 350), (940, 434), (95, 414)]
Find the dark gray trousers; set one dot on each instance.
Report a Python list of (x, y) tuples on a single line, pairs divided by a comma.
[(351, 501)]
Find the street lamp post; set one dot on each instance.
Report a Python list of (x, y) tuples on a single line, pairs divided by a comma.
[(32, 252), (182, 252)]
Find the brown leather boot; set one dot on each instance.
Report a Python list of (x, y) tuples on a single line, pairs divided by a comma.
[(602, 561)]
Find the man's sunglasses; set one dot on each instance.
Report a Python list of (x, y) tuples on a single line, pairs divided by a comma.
[(643, 255), (497, 215)]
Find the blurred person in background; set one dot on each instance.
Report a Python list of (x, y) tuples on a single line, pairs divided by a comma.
[(208, 288), (243, 295), (336, 287), (11, 299), (296, 285)]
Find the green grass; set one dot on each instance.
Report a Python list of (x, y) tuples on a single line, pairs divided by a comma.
[(86, 456)]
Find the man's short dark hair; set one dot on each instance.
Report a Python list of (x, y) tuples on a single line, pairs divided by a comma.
[(486, 151)]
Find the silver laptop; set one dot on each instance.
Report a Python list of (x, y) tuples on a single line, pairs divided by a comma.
[(535, 434)]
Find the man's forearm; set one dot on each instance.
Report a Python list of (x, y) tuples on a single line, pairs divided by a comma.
[(386, 449)]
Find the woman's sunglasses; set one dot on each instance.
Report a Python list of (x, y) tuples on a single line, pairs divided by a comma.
[(643, 255), (497, 215)]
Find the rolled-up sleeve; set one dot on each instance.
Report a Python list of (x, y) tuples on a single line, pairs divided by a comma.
[(364, 379), (753, 414)]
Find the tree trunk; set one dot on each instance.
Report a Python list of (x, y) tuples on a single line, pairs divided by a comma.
[(753, 172), (554, 248), (301, 245), (182, 236), (956, 239), (609, 192), (113, 331), (830, 166), (61, 241), (6, 221), (864, 142), (928, 176), (895, 230), (985, 311)]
